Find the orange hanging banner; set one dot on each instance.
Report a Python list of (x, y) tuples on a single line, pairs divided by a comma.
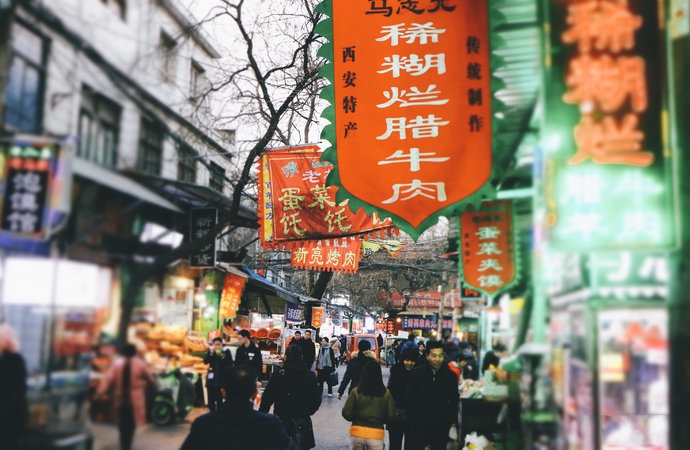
[(231, 295), (296, 205), (316, 316), (488, 249), (412, 101), (315, 255)]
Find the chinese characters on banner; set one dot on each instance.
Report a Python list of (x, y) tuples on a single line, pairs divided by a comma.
[(488, 248), (202, 221), (412, 101), (231, 295), (314, 255), (296, 205), (607, 176), (26, 182), (316, 316), (425, 323), (294, 313)]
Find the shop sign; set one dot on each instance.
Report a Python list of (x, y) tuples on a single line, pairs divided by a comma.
[(296, 205), (294, 313), (316, 316), (202, 222), (425, 322), (411, 106), (342, 256), (231, 295), (489, 262), (607, 157), (643, 273), (424, 300), (27, 169), (467, 293)]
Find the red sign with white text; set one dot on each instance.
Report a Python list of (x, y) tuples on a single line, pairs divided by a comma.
[(488, 248), (315, 255)]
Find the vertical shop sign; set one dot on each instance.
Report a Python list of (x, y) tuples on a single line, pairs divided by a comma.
[(316, 316), (202, 222), (26, 182), (488, 254), (411, 92), (607, 162), (231, 295)]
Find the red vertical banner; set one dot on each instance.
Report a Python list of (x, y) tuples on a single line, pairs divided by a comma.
[(489, 262), (316, 316), (231, 295), (411, 94)]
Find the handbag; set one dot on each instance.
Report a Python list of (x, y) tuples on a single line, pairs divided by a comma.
[(333, 378), (302, 432)]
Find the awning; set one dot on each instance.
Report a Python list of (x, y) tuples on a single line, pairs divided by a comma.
[(256, 279), (121, 183)]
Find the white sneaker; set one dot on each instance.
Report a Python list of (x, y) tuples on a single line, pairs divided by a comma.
[(330, 395)]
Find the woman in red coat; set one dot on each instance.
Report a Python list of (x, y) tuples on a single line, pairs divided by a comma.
[(127, 381)]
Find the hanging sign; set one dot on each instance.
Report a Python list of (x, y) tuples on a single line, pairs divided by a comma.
[(607, 170), (316, 316), (26, 170), (411, 103), (316, 255), (231, 295), (488, 247), (296, 205), (202, 221), (294, 313)]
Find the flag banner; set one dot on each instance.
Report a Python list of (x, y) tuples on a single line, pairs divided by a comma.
[(411, 106), (296, 205), (316, 316), (231, 295), (342, 256), (489, 262)]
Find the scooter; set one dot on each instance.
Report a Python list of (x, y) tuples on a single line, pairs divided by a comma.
[(174, 396)]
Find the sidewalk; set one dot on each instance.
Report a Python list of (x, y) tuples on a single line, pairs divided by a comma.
[(148, 437)]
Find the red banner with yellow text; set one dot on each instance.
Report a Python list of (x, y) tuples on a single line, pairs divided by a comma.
[(489, 262), (316, 316), (296, 205), (231, 295), (316, 255)]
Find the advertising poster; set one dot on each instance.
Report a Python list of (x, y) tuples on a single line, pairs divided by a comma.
[(633, 379)]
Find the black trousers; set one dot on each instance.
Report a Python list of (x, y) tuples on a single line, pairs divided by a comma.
[(127, 426), (420, 435), (396, 432), (215, 398)]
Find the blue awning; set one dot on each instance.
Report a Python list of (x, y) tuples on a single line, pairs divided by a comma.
[(255, 278)]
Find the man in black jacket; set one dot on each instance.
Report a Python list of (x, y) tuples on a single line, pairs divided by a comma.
[(248, 354), (236, 425), (355, 366), (219, 360), (308, 349), (432, 401)]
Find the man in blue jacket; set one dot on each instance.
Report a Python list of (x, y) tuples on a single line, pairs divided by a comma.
[(236, 424)]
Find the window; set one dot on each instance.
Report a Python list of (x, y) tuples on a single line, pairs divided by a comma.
[(22, 108), (196, 81), (167, 56), (150, 147), (99, 128), (217, 177), (186, 163)]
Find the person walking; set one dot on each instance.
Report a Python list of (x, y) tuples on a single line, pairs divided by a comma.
[(129, 379), (236, 425), (14, 408), (295, 397), (325, 365), (248, 354), (355, 366), (308, 349), (218, 360), (369, 406), (335, 346), (432, 401), (397, 385)]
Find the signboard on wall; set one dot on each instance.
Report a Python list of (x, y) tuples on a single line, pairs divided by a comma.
[(202, 221)]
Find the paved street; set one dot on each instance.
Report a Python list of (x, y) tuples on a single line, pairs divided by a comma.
[(330, 429)]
